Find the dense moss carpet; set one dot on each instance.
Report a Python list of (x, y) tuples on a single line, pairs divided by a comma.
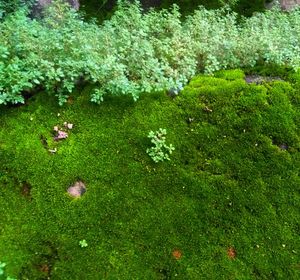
[(225, 207)]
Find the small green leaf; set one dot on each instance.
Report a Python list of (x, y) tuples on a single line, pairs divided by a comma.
[(83, 243)]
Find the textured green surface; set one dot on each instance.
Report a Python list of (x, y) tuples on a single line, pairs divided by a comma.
[(228, 184)]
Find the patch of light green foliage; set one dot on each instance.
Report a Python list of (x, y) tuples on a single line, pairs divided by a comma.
[(2, 266), (134, 51), (160, 151)]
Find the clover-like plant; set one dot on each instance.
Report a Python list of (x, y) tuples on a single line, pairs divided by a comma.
[(160, 151)]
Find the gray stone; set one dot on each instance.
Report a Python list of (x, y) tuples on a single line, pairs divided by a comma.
[(285, 5), (257, 79), (174, 91), (283, 146), (77, 190), (289, 4)]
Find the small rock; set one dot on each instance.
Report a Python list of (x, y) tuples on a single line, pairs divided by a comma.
[(174, 91), (257, 79), (283, 147), (77, 190), (68, 125)]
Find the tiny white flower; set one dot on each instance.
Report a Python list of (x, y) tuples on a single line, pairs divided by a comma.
[(69, 125)]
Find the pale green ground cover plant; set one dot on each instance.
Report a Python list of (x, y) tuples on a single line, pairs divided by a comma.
[(160, 151), (136, 52)]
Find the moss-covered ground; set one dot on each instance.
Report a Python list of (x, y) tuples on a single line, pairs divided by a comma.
[(225, 207)]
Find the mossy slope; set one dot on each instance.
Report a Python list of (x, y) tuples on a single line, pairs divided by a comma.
[(232, 182)]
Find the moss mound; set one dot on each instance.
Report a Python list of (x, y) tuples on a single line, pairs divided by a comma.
[(225, 207)]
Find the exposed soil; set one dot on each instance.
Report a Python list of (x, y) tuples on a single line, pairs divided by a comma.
[(26, 190)]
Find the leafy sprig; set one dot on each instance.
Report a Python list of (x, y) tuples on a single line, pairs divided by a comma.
[(160, 151)]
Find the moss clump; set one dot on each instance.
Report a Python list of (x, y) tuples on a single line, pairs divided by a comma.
[(230, 74), (229, 184)]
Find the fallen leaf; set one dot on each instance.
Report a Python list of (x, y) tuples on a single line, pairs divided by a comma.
[(177, 254), (231, 253)]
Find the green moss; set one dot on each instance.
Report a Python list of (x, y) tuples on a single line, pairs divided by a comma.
[(228, 184), (268, 69), (230, 74)]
